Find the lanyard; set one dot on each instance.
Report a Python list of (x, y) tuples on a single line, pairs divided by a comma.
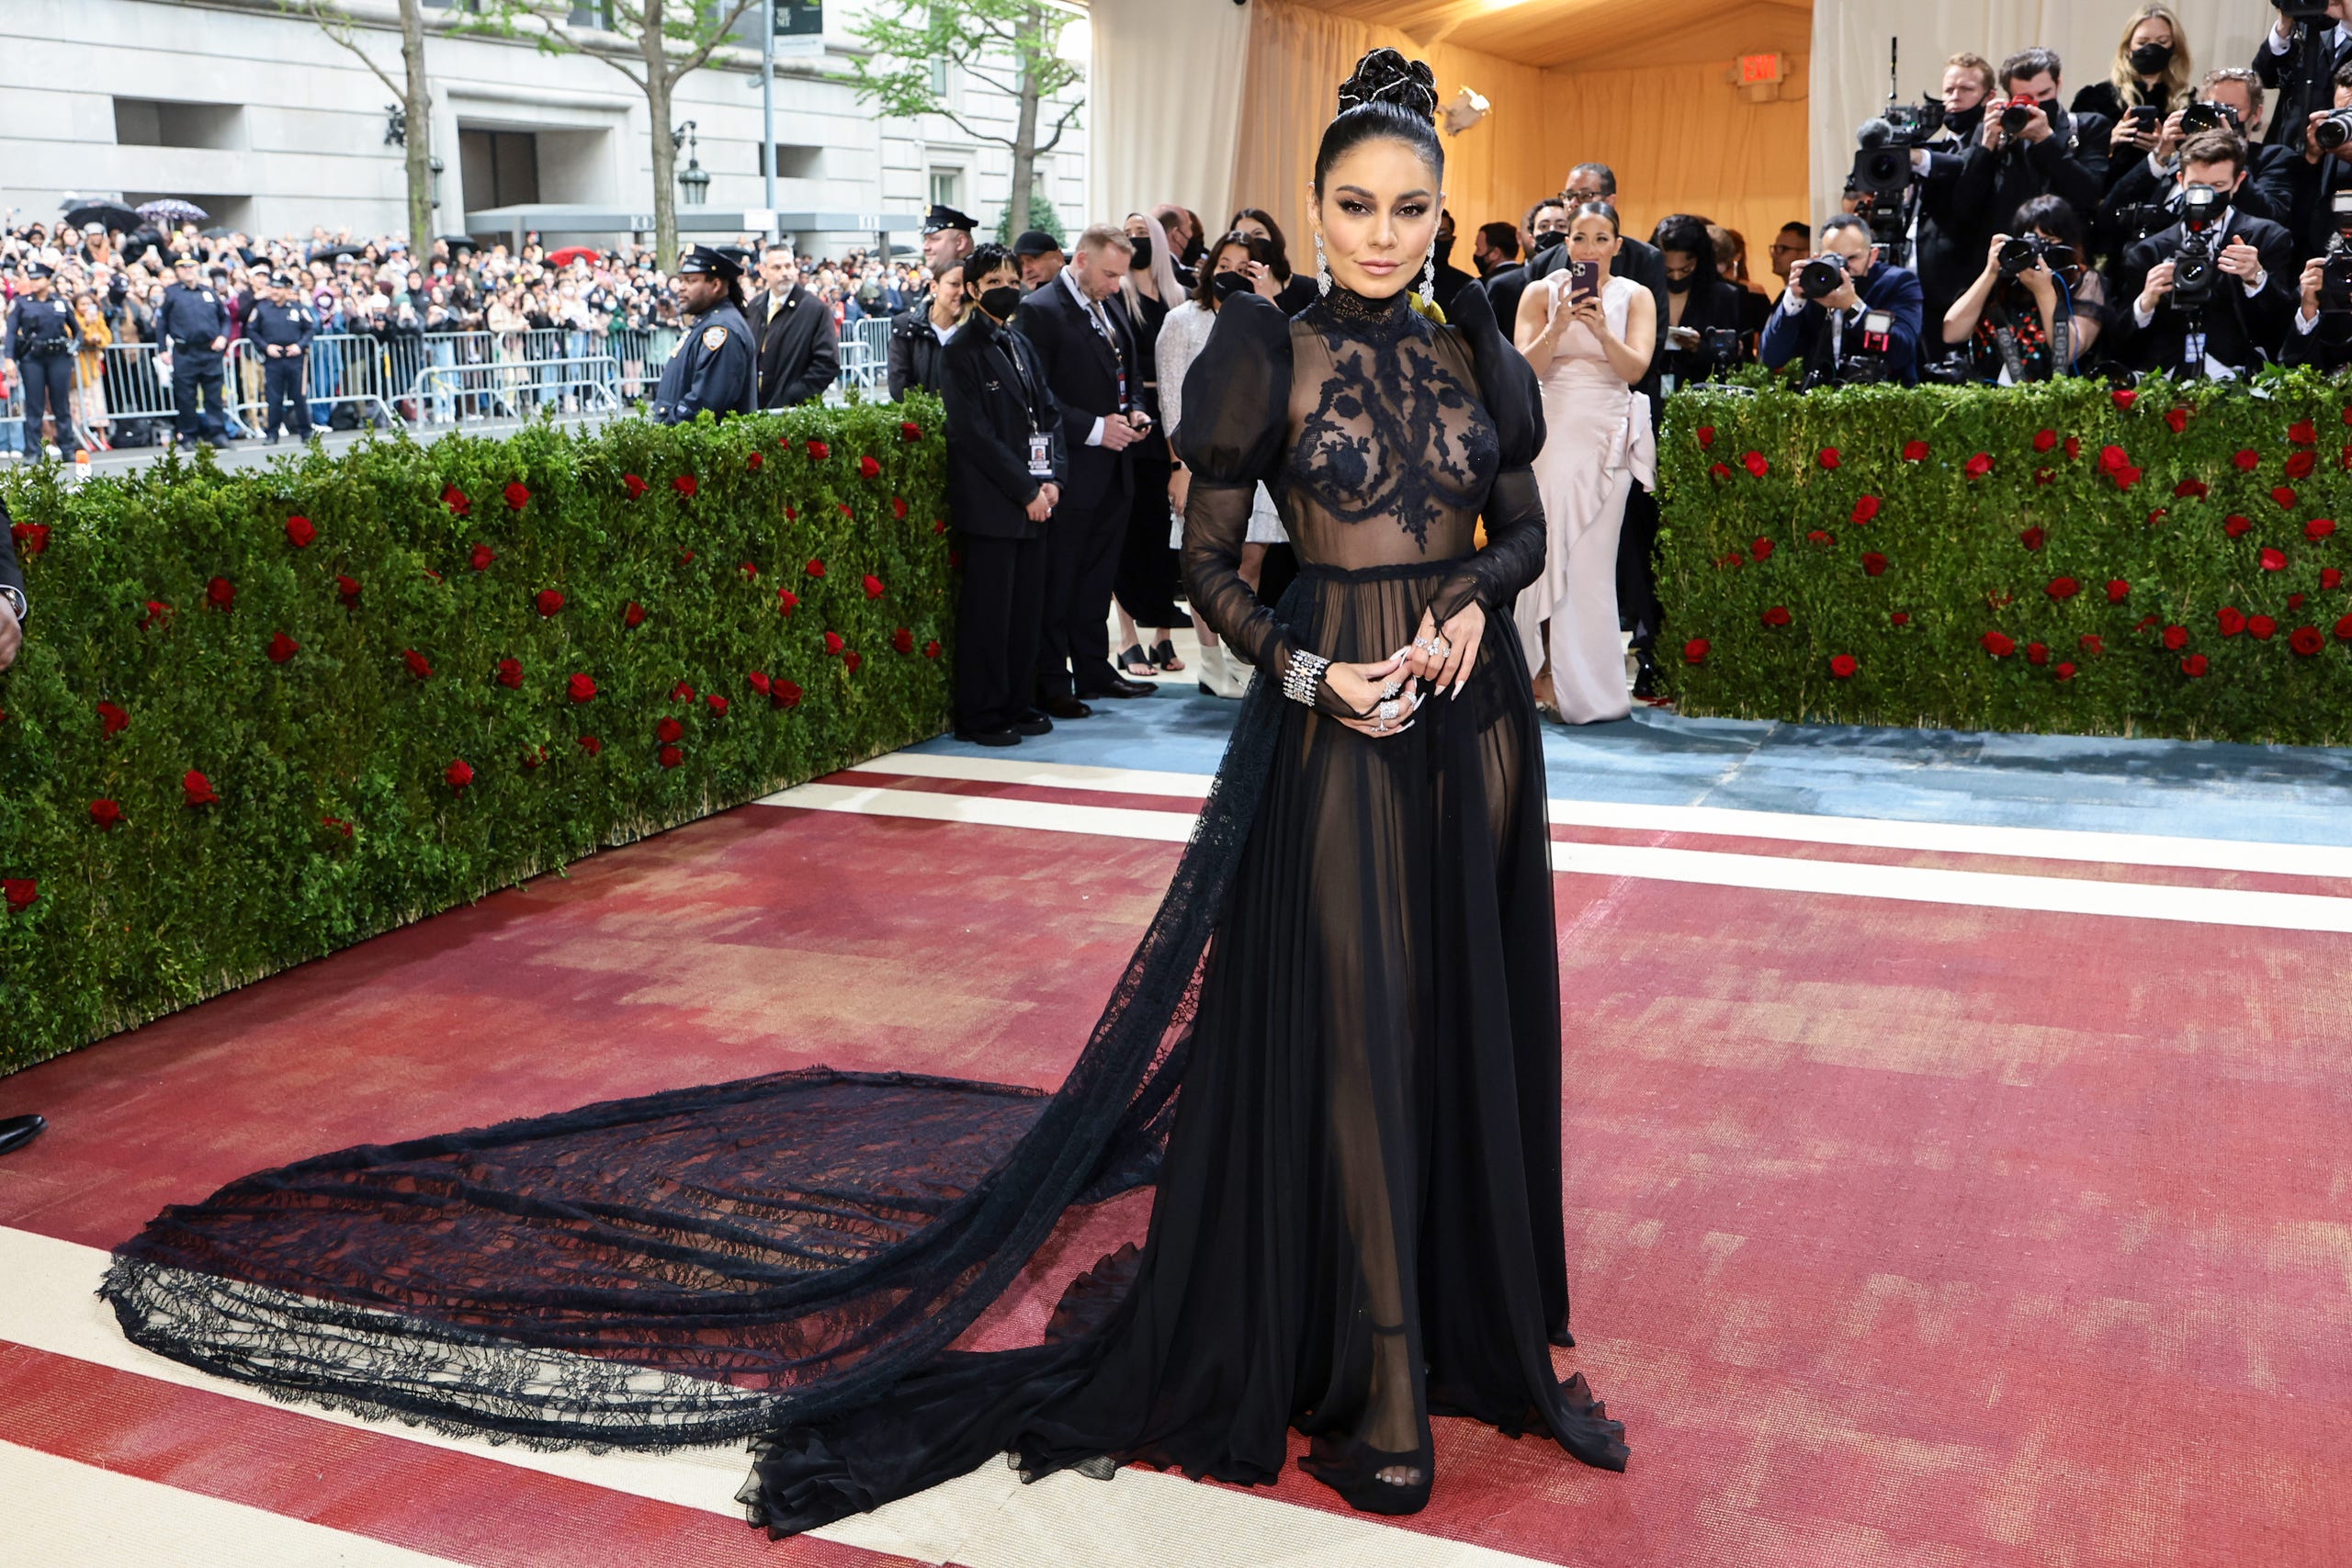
[(1099, 320), (1011, 351)]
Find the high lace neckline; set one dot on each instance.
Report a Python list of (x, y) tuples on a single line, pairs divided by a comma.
[(1350, 306)]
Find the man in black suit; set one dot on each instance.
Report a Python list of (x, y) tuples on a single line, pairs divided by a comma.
[(1450, 279), (2143, 171), (2245, 321), (1547, 223), (16, 1132), (2302, 186), (1080, 331), (1816, 333), (2280, 60), (799, 347), (1005, 471), (2049, 155)]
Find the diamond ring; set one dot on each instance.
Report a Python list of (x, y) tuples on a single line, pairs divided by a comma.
[(1388, 711), (1436, 646)]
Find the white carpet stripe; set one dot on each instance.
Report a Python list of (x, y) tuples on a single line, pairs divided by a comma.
[(987, 1519), (1868, 832), (64, 1513), (2131, 900)]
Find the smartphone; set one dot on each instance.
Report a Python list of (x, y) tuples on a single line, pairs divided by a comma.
[(2147, 116), (1584, 277)]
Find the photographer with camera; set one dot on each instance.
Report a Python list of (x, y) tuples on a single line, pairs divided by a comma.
[(2030, 146), (2036, 309), (1848, 315), (2143, 193), (2319, 167), (2309, 43), (2210, 294), (1943, 251), (1706, 321)]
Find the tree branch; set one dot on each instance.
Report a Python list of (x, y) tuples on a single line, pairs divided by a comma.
[(710, 45), (974, 132), (1059, 126), (337, 25)]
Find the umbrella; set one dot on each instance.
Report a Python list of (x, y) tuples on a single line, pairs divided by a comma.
[(105, 214), (172, 210), (570, 254)]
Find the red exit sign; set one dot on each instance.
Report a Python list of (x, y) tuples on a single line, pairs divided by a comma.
[(1755, 69)]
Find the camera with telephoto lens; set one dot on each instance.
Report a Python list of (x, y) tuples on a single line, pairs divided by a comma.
[(2194, 274), (2019, 254), (2205, 115), (2333, 131), (2336, 281), (1867, 359), (1820, 277), (2303, 10)]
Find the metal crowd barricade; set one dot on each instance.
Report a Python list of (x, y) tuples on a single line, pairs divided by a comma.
[(481, 386)]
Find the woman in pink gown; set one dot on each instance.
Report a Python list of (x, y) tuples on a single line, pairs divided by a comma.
[(1587, 350)]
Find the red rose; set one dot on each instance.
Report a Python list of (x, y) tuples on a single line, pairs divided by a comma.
[(2177, 419), (903, 641), (1778, 616), (669, 730), (686, 484), (874, 589), (852, 659), (634, 615), (786, 601), (197, 789), (21, 892), (510, 673), (2074, 447), (2231, 618), (671, 755), (2331, 577), (2294, 601), (1873, 564), (2300, 466), (591, 745), (899, 507), (845, 510), (819, 451), (455, 499), (2043, 440), (158, 611), (2236, 527), (32, 539), (1996, 645), (750, 569), (931, 649), (2302, 432), (2037, 653), (816, 569), (417, 664), (2319, 528), (785, 693), (2127, 475), (2306, 640), (458, 774), (909, 431), (519, 495), (283, 648), (483, 554), (833, 643), (2064, 673), (112, 720), (1756, 466), (1843, 665), (1976, 467), (2062, 588), (1914, 451), (2117, 590), (299, 532), (2033, 539), (753, 462), (2043, 476), (2192, 490), (2344, 629), (2285, 496), (2194, 665), (868, 468), (1695, 650), (1900, 618), (347, 590), (1865, 510), (686, 557), (548, 601), (634, 485), (2261, 628), (2274, 560), (716, 703), (433, 574), (2248, 459), (1706, 436), (1829, 457), (220, 593), (2110, 458), (682, 693), (758, 680), (1719, 472), (1761, 549), (2092, 644), (106, 813), (1821, 536), (2124, 397), (533, 757)]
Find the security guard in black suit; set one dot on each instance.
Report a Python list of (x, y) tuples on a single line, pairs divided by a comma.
[(194, 322), (284, 326), (715, 367), (43, 336)]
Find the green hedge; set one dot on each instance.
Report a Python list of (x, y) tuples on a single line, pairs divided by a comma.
[(2056, 557), (343, 693)]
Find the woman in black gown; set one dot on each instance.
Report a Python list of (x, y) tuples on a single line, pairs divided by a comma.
[(1338, 1046)]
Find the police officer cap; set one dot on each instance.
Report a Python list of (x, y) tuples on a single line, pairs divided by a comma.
[(183, 260), (702, 258), (945, 217), (279, 280), (39, 269), (1036, 242)]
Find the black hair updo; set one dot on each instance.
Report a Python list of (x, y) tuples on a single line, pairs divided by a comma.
[(1388, 96)]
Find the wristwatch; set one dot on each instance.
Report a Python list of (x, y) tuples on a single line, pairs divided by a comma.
[(16, 602)]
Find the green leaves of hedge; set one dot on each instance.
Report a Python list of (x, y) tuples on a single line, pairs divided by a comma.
[(272, 657)]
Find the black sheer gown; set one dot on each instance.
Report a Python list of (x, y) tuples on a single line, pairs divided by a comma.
[(1336, 1050)]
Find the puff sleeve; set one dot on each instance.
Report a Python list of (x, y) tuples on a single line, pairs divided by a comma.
[(1514, 511)]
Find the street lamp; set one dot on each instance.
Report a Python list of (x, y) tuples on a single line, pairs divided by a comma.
[(437, 165), (693, 183)]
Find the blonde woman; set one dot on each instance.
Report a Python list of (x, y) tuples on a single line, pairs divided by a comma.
[(90, 366), (2151, 71), (1145, 589)]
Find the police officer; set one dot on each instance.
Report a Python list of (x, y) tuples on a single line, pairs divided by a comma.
[(946, 240), (43, 336), (715, 367), (283, 326), (193, 324)]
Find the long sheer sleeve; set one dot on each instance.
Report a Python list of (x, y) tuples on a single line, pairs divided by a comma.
[(1514, 511)]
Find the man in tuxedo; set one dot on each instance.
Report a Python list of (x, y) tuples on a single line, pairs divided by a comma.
[(1080, 329), (2136, 185), (1450, 279), (2247, 319), (799, 348), (16, 1132), (1548, 225), (1819, 331), (2277, 60)]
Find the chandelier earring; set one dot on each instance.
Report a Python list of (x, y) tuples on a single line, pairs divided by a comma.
[(1429, 272), (1322, 267)]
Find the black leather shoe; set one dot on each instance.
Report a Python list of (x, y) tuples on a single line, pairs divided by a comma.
[(1123, 687), (1032, 722), (1068, 707), (988, 737), (16, 1132)]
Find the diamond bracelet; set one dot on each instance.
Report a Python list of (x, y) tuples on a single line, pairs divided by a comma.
[(1305, 675)]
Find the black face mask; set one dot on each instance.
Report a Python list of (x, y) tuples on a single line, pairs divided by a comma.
[(1142, 261), (1963, 124), (1445, 250), (1681, 285), (1000, 301), (1228, 284), (2150, 58)]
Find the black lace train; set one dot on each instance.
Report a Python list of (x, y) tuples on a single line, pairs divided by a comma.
[(1351, 980)]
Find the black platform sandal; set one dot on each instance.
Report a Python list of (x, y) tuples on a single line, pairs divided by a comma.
[(1163, 654), (1136, 664)]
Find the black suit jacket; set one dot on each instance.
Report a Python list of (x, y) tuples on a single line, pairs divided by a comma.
[(917, 358), (1715, 302), (990, 411), (2285, 126), (2241, 332), (1504, 286), (1450, 281), (1084, 378), (2305, 191), (9, 576), (799, 350)]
